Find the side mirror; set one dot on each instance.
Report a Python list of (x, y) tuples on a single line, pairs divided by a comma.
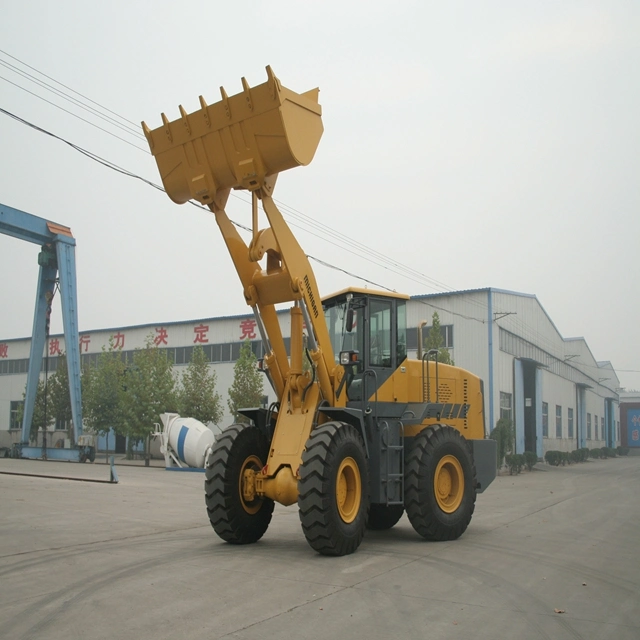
[(349, 320)]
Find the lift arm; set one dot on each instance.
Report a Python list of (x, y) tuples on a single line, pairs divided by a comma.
[(57, 261), (243, 142)]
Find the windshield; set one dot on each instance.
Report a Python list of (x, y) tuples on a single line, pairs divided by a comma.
[(341, 340)]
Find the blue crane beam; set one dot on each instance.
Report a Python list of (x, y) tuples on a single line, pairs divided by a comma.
[(30, 228)]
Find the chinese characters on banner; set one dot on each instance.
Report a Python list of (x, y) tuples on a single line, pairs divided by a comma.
[(54, 347), (201, 334), (162, 336), (247, 329)]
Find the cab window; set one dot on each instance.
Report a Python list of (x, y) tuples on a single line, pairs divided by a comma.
[(380, 333)]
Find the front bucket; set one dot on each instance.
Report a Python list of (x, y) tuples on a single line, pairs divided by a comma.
[(236, 143)]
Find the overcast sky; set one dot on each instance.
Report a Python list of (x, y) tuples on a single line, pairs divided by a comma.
[(474, 144)]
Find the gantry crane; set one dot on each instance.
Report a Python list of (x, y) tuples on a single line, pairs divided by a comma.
[(57, 268)]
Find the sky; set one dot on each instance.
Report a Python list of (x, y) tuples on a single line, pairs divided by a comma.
[(465, 145)]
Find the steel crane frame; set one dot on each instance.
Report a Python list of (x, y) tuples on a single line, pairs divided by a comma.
[(61, 269)]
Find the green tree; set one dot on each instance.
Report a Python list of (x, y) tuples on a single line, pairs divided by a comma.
[(103, 392), (434, 340), (60, 398), (246, 390), (197, 396), (503, 434), (150, 390), (41, 408)]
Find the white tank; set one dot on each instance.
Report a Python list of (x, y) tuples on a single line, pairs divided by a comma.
[(188, 438)]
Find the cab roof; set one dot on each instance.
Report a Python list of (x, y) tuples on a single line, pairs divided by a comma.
[(368, 292)]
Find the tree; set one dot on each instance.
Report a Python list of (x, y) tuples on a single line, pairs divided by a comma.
[(41, 409), (246, 390), (198, 397), (103, 392), (60, 397), (434, 340), (150, 390), (503, 434)]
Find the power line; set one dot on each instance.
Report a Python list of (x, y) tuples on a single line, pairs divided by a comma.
[(115, 167), (135, 124), (305, 222), (111, 165), (72, 114), (88, 154), (350, 244), (126, 128)]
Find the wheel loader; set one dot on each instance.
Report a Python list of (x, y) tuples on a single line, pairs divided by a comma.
[(360, 433)]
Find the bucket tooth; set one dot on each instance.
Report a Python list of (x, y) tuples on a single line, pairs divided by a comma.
[(225, 102), (205, 112), (147, 134), (247, 93), (272, 81), (167, 128), (185, 119)]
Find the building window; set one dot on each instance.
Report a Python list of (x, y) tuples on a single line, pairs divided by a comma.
[(588, 426), (570, 422), (602, 434), (595, 426), (15, 411), (558, 421), (505, 406), (545, 419), (445, 329)]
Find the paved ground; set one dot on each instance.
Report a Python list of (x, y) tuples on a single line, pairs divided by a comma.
[(139, 560)]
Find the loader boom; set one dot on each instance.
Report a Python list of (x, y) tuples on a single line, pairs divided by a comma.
[(243, 142)]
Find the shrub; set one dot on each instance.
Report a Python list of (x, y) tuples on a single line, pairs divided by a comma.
[(623, 451), (530, 459), (503, 435), (576, 456), (515, 462), (553, 457), (596, 453), (585, 453), (608, 452)]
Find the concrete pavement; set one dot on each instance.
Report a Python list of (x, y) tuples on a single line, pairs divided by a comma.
[(139, 560)]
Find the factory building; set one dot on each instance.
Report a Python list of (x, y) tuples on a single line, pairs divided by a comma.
[(551, 387)]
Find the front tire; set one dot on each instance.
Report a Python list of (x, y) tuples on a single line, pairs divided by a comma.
[(235, 518), (440, 483), (334, 489)]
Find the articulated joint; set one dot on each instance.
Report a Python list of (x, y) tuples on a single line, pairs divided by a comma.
[(282, 488)]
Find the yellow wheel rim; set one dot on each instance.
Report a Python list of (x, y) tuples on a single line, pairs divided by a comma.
[(348, 490), (448, 483), (251, 503)]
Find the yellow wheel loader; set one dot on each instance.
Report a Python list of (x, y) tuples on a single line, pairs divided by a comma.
[(363, 433)]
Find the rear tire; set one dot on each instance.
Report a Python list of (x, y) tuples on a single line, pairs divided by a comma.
[(235, 520), (440, 483), (383, 517), (333, 489)]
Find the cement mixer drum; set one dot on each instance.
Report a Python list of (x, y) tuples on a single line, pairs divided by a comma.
[(187, 438)]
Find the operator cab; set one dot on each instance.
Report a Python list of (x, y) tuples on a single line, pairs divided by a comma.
[(368, 331)]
